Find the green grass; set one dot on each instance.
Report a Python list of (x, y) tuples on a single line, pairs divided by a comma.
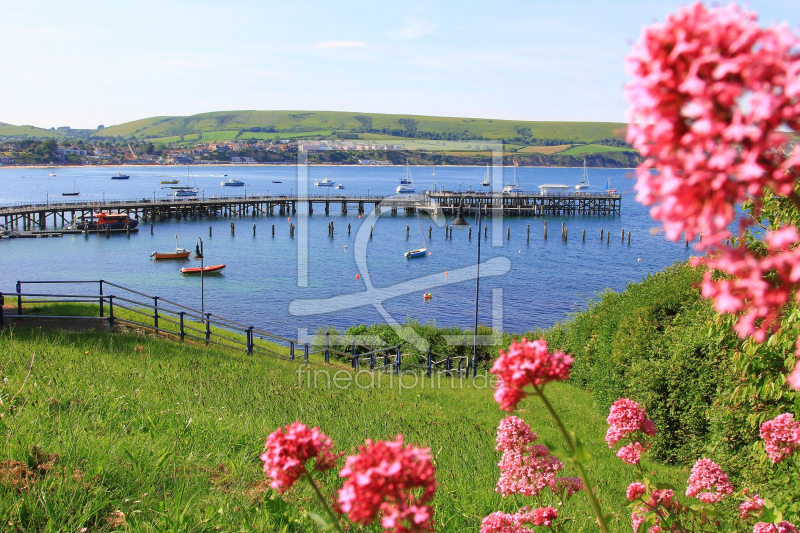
[(9, 130), (169, 433), (345, 121), (594, 149)]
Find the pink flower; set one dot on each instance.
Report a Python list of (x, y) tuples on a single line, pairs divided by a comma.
[(760, 286), (287, 453), (689, 76), (781, 437), (793, 379), (527, 363), (515, 523), (384, 478), (635, 491), (708, 483), (753, 504), (525, 468), (783, 527), (662, 502), (626, 417), (631, 453)]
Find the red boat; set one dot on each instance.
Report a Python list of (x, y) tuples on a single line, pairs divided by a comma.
[(206, 270), (105, 220)]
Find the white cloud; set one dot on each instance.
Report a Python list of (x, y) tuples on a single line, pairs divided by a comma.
[(340, 44), (414, 27)]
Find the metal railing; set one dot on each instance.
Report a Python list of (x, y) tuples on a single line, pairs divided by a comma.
[(178, 321)]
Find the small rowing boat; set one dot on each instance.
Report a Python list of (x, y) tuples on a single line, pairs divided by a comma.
[(179, 253), (207, 270)]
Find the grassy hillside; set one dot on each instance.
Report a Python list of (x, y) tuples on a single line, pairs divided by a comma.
[(9, 130), (303, 121), (169, 434)]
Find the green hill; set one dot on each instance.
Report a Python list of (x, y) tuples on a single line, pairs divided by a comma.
[(9, 130), (404, 125)]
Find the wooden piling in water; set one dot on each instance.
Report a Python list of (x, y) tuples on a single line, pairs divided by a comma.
[(370, 232), (151, 228), (470, 233), (608, 237), (233, 229), (406, 231), (209, 231), (273, 230), (545, 230), (508, 232), (485, 231), (601, 234), (629, 237), (430, 231), (529, 232), (254, 230), (446, 231), (584, 236), (622, 237), (348, 228)]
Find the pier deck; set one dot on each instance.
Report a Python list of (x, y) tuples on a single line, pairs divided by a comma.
[(36, 216)]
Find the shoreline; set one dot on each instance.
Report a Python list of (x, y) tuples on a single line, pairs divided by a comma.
[(262, 165)]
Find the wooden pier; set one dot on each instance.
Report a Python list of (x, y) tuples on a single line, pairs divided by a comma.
[(41, 216)]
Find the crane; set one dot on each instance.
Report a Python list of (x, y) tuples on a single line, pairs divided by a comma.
[(133, 154)]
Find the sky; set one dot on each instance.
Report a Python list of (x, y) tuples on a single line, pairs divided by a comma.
[(85, 63)]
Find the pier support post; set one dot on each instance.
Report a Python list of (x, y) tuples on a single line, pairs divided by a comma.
[(254, 230), (273, 230), (233, 229), (584, 236), (348, 228), (151, 228), (622, 237), (370, 232), (545, 230), (629, 237), (529, 232), (508, 232), (601, 234), (406, 231), (209, 231), (430, 231), (608, 237), (485, 231), (470, 233)]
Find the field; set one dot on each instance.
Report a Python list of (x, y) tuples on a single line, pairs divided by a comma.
[(169, 434), (594, 149), (345, 121)]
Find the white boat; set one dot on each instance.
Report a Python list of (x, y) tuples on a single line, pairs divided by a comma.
[(326, 182), (513, 188), (340, 186), (185, 191), (486, 181), (584, 183), (407, 183), (53, 174), (233, 182)]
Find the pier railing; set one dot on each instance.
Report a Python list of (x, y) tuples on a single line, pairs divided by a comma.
[(116, 304)]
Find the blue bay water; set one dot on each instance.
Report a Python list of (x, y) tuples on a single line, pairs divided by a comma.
[(547, 278)]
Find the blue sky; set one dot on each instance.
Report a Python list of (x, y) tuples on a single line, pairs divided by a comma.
[(81, 63)]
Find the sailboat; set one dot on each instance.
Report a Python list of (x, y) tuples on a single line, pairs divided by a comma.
[(187, 191), (170, 182), (486, 181), (584, 183), (75, 191), (609, 190), (419, 252), (407, 183), (514, 186)]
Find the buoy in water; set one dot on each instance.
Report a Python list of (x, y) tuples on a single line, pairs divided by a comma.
[(358, 276), (430, 253), (345, 247), (445, 272), (289, 219), (640, 259), (359, 216), (427, 296)]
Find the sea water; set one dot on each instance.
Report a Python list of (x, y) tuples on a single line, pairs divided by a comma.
[(528, 284)]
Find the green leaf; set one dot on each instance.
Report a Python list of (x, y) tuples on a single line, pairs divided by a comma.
[(662, 486), (582, 455), (770, 514), (322, 524)]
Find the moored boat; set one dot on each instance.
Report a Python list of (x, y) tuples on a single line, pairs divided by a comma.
[(326, 182), (170, 182), (233, 182), (179, 253), (120, 176), (206, 270), (105, 221), (75, 191), (416, 253)]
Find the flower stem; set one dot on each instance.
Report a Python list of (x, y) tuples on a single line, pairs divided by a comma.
[(331, 515), (581, 472)]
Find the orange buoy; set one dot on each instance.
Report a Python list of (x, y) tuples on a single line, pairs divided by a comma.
[(445, 272), (359, 216), (640, 259), (289, 219), (358, 276), (430, 253)]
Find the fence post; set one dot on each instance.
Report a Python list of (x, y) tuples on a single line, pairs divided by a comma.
[(208, 328), (155, 312), (429, 361), (397, 359), (459, 368), (372, 360), (180, 332), (291, 351), (353, 353), (19, 298), (101, 298), (110, 311), (2, 301), (355, 363), (250, 343), (385, 359), (327, 348), (447, 364), (305, 355)]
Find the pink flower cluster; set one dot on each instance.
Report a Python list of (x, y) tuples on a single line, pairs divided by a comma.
[(515, 523), (626, 418), (527, 363), (525, 467), (635, 491), (287, 453), (751, 291), (565, 487), (663, 502), (781, 437), (782, 527), (385, 477), (690, 77), (753, 505), (708, 483)]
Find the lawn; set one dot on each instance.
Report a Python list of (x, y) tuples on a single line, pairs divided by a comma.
[(594, 149), (545, 149), (169, 434)]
